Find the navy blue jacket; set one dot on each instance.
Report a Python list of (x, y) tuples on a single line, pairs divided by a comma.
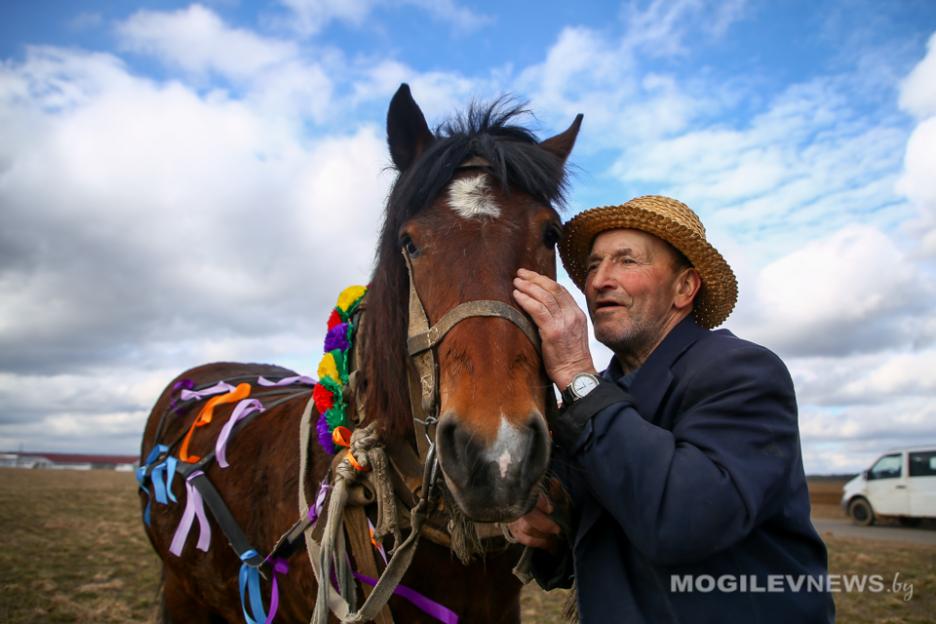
[(695, 469)]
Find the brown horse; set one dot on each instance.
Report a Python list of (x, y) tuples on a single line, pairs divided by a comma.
[(473, 202)]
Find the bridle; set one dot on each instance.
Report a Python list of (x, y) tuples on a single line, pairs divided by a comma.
[(420, 344)]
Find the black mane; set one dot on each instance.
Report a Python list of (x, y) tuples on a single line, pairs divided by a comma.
[(517, 163)]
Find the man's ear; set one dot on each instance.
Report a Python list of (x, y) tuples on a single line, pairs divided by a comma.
[(688, 284)]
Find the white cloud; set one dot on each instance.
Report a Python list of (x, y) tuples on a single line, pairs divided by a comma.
[(170, 212), (310, 17), (918, 89), (851, 291), (196, 40), (660, 28), (273, 75), (917, 182)]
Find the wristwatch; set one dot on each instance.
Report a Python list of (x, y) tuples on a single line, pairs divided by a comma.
[(581, 385)]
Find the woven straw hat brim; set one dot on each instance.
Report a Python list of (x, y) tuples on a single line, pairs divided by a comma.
[(719, 291)]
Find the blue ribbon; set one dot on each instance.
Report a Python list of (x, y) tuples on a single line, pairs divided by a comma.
[(162, 480), (250, 584), (154, 454)]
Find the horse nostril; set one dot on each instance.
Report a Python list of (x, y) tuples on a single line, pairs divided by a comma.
[(538, 452), (454, 444)]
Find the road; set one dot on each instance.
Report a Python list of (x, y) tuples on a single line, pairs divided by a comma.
[(843, 527)]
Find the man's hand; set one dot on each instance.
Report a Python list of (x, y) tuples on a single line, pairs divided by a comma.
[(537, 528), (562, 325)]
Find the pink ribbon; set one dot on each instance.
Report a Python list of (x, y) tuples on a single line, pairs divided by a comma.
[(218, 388), (194, 507), (286, 381), (244, 409)]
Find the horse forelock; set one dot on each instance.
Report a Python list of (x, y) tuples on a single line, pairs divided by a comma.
[(516, 164)]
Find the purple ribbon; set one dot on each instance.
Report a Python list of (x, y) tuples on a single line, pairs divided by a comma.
[(280, 567), (182, 384), (218, 388), (194, 507), (244, 409), (316, 509), (426, 605), (286, 381)]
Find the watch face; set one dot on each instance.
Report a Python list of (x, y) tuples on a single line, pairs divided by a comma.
[(583, 384)]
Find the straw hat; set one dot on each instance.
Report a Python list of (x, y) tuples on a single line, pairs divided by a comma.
[(674, 222)]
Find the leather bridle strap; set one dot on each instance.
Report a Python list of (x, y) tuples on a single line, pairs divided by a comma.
[(482, 307)]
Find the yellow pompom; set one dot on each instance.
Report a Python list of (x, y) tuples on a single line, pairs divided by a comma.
[(329, 368), (349, 295)]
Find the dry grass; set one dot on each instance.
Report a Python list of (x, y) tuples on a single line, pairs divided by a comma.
[(74, 551), (74, 548), (826, 498)]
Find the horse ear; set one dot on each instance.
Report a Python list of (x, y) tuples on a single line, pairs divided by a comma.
[(408, 134), (561, 145)]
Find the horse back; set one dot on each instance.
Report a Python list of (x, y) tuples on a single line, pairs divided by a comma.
[(259, 487)]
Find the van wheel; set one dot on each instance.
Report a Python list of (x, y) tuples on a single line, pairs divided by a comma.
[(909, 521), (861, 512)]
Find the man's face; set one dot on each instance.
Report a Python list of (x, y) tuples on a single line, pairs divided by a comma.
[(630, 289)]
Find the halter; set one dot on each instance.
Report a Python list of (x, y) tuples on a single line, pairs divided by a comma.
[(421, 342)]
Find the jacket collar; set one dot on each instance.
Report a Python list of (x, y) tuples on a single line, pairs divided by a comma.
[(654, 377)]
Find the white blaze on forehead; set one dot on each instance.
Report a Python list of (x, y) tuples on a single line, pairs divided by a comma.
[(471, 198)]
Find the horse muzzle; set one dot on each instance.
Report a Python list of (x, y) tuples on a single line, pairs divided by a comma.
[(496, 480)]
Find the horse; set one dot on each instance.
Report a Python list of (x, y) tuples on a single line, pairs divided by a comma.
[(472, 202)]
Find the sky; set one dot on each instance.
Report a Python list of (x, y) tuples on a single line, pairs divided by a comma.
[(185, 182)]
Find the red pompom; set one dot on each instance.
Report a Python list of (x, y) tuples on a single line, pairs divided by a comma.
[(334, 319), (323, 398)]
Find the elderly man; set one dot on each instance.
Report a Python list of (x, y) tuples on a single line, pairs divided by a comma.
[(682, 459)]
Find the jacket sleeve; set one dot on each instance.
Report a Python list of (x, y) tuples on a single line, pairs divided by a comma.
[(685, 494)]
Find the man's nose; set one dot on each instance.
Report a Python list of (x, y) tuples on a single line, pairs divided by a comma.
[(601, 277)]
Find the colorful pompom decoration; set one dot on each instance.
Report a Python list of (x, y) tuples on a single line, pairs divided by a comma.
[(333, 369)]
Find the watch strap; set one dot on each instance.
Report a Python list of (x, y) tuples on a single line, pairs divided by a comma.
[(567, 427)]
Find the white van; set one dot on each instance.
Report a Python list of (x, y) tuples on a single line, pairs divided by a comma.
[(900, 483)]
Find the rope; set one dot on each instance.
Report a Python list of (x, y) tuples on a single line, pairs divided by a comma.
[(366, 443)]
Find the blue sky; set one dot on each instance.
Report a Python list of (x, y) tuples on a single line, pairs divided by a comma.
[(185, 182)]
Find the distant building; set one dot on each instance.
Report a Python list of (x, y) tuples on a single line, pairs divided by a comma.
[(68, 461)]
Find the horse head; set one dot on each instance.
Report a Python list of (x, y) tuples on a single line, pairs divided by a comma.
[(473, 202)]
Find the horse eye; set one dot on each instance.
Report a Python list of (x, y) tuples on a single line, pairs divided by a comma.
[(552, 235), (407, 243)]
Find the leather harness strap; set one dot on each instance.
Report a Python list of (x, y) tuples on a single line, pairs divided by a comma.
[(483, 307)]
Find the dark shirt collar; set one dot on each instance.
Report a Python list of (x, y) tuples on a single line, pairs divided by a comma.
[(614, 373)]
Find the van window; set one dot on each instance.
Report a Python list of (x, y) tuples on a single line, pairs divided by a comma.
[(923, 464), (888, 467)]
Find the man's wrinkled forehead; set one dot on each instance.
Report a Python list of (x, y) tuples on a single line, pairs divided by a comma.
[(626, 241)]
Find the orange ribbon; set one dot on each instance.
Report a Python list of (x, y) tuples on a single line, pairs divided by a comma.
[(242, 391), (341, 436)]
